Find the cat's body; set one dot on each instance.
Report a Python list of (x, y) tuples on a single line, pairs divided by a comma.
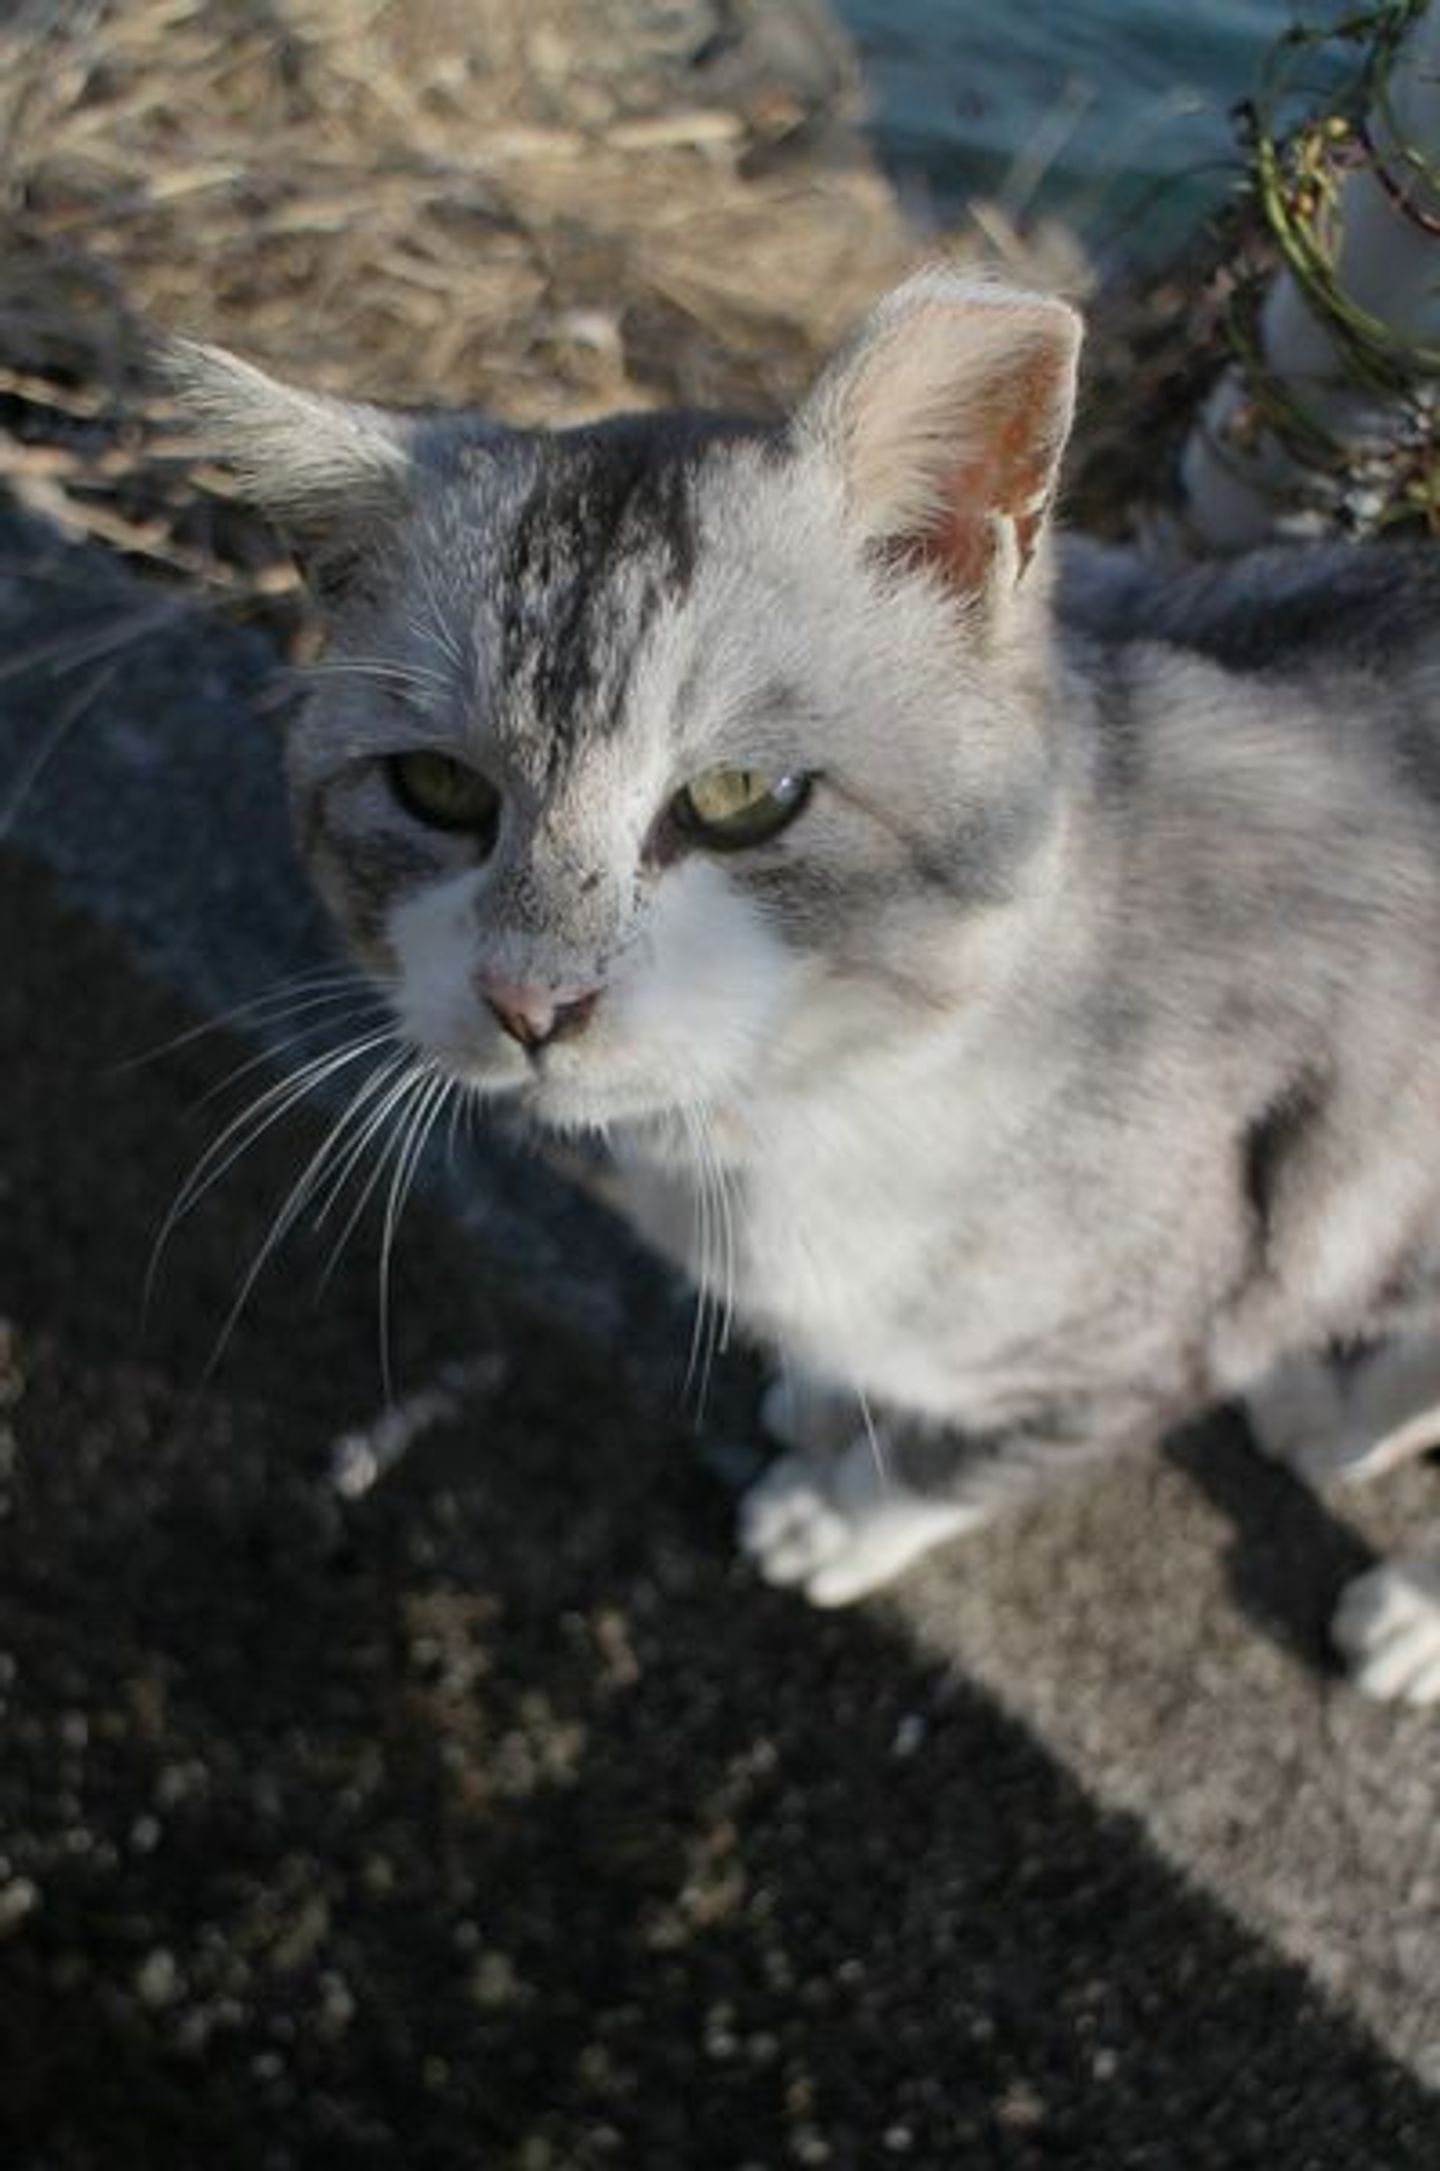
[(1190, 1127), (1037, 1043), (1107, 1172)]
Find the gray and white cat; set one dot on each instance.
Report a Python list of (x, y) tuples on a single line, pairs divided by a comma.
[(1006, 972)]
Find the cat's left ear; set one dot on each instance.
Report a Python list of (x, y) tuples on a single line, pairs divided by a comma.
[(331, 473), (947, 417)]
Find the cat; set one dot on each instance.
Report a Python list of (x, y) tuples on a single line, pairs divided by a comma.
[(1004, 969)]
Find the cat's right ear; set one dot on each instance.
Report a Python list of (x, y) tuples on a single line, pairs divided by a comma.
[(331, 473)]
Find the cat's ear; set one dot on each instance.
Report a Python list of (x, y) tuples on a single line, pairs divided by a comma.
[(332, 474), (947, 417)]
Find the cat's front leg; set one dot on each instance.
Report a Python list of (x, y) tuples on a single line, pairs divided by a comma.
[(840, 1523), (839, 1526), (832, 1517), (1347, 1421), (1352, 1418), (807, 1416)]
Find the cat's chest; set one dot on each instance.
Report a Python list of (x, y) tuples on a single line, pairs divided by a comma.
[(910, 1235), (858, 1226), (829, 1238)]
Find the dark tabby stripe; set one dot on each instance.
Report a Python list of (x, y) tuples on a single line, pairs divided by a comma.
[(608, 504)]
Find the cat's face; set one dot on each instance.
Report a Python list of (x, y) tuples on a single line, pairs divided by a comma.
[(650, 761)]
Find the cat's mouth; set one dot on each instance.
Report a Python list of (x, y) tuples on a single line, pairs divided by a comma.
[(568, 1103), (560, 1096)]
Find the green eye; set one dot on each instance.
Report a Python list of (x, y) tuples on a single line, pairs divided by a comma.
[(728, 809), (444, 793)]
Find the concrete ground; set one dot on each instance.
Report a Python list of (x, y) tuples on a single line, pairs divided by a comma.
[(496, 1817)]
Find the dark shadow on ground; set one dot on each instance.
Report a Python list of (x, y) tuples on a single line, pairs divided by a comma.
[(498, 1819), (1288, 1558)]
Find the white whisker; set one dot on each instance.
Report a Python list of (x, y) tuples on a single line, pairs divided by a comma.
[(62, 724), (435, 626), (714, 1268), (270, 1106), (457, 1103), (707, 1335), (274, 1050), (295, 1201), (382, 670), (700, 1239), (316, 987), (245, 1129), (429, 1099), (877, 1449), (726, 1202), (393, 1082)]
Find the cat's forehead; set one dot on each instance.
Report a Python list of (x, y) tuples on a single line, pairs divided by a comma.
[(562, 553)]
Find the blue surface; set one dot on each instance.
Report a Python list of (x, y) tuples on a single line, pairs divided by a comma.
[(1115, 114)]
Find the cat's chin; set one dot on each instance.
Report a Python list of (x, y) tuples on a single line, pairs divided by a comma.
[(570, 1105), (565, 1104)]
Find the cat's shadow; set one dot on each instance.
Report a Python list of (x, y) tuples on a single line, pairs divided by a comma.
[(1288, 1557)]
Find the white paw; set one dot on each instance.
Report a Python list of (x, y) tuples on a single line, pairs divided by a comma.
[(839, 1529), (1387, 1628)]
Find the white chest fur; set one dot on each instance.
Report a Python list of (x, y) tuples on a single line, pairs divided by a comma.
[(873, 1226), (953, 1238)]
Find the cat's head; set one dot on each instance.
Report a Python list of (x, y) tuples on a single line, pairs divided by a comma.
[(654, 759)]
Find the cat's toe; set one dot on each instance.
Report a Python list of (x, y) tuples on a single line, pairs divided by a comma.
[(787, 1524), (1387, 1627)]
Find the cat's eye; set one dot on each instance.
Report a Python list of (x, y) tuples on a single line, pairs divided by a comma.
[(728, 809), (443, 792)]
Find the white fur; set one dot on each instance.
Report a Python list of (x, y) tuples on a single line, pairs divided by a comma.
[(688, 1006), (1325, 1421), (840, 1528), (1387, 1626)]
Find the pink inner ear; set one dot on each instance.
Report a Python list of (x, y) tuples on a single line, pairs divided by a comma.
[(1008, 473), (962, 542)]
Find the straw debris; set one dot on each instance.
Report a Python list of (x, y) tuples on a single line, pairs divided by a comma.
[(536, 206)]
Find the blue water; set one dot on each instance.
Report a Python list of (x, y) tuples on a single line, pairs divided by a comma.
[(1113, 114)]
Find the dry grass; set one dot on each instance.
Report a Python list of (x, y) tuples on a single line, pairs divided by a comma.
[(488, 202), (535, 206), (512, 203)]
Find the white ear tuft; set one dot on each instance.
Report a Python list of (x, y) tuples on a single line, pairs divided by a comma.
[(326, 469), (948, 415)]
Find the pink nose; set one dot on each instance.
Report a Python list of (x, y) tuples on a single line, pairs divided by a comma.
[(535, 1016)]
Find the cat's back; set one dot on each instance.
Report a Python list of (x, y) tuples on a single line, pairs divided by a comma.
[(1301, 610), (1301, 674), (1263, 766)]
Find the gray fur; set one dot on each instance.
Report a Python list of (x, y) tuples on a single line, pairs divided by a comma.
[(1072, 1059)]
